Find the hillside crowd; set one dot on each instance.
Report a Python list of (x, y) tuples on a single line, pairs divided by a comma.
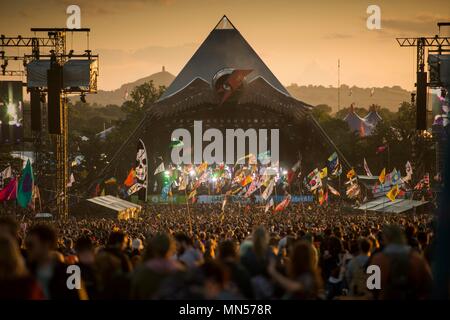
[(169, 252)]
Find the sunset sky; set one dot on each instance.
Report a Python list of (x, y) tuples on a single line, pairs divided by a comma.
[(300, 41)]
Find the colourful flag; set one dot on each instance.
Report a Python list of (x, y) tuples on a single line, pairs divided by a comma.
[(395, 176), (269, 205), (362, 129), (25, 186), (252, 188), (382, 176), (333, 161), (129, 181), (268, 191), (366, 168), (323, 196), (323, 173), (6, 173), (333, 191), (409, 171), (192, 194), (134, 188), (353, 191), (202, 167), (246, 181), (314, 180), (283, 204), (351, 173), (9, 192), (159, 169), (393, 193)]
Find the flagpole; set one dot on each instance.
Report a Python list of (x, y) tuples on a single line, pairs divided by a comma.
[(188, 212)]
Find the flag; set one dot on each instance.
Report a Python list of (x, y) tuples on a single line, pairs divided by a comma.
[(246, 181), (333, 161), (366, 168), (351, 173), (353, 191), (165, 190), (409, 171), (323, 196), (9, 192), (381, 149), (372, 91), (314, 180), (350, 93), (292, 171), (268, 191), (362, 129), (176, 143), (252, 188), (269, 205), (71, 180), (382, 176), (25, 186), (393, 193), (202, 167), (129, 181), (192, 194), (159, 169), (6, 173), (134, 188), (183, 182), (323, 173), (264, 156), (395, 176), (283, 204), (333, 191)]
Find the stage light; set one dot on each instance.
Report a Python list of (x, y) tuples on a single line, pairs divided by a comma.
[(192, 172), (83, 97), (214, 179), (285, 172), (167, 173)]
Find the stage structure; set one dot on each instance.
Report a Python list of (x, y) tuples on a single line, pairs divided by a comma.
[(57, 73), (225, 85)]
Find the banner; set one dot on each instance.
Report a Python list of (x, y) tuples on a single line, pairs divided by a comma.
[(141, 170)]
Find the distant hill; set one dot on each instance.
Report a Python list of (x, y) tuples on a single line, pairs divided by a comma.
[(117, 96), (387, 97)]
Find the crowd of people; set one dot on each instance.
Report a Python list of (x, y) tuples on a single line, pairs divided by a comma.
[(170, 252)]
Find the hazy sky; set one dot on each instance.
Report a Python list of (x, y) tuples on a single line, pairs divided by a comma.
[(300, 41)]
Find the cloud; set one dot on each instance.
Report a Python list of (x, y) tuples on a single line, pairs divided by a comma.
[(333, 36), (420, 24)]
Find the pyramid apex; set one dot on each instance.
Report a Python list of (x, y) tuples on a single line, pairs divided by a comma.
[(224, 24)]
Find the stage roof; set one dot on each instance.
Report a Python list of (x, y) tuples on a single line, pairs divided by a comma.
[(383, 204), (224, 47)]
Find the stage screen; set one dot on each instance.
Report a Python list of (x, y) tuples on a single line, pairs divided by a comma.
[(11, 112)]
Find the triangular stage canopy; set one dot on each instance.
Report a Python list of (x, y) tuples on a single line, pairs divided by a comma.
[(373, 116), (224, 47)]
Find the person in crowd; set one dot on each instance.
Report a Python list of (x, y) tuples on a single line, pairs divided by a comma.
[(303, 280), (85, 251), (15, 281), (239, 276), (405, 273), (117, 245), (186, 252), (46, 264), (355, 274), (157, 266)]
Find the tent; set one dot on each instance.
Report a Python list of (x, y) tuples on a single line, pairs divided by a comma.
[(373, 116), (108, 207), (384, 205), (358, 124)]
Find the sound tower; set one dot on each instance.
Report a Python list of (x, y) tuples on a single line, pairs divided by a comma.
[(421, 101), (35, 102), (54, 84)]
